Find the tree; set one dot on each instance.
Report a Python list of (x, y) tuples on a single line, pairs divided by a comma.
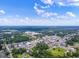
[(75, 39), (22, 50), (39, 51), (56, 52), (18, 52), (0, 47), (76, 54), (69, 54)]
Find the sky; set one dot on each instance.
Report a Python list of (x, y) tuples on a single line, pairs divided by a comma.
[(39, 12)]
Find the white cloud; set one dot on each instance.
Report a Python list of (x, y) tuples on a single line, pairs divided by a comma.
[(66, 16), (61, 2), (48, 2), (69, 3), (71, 14), (72, 1), (43, 7), (2, 12), (42, 12), (75, 4), (38, 10), (38, 22), (49, 14)]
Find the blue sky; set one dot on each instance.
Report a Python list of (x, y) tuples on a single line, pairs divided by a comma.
[(39, 12)]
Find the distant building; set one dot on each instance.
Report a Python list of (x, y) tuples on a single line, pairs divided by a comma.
[(31, 33)]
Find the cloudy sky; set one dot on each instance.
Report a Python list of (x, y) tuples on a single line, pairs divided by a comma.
[(39, 12)]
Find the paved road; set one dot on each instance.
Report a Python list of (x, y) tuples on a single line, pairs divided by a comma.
[(2, 54), (6, 46)]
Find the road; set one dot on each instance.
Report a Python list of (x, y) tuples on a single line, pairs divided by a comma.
[(6, 46), (2, 54)]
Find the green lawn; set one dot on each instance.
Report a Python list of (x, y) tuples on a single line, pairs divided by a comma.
[(56, 52)]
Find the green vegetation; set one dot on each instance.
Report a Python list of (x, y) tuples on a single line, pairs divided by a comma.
[(17, 38), (61, 34), (17, 56), (70, 54), (39, 51), (20, 38), (76, 54), (18, 52), (74, 40), (0, 47), (27, 56), (56, 52)]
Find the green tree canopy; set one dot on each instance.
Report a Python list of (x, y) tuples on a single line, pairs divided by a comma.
[(39, 51)]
